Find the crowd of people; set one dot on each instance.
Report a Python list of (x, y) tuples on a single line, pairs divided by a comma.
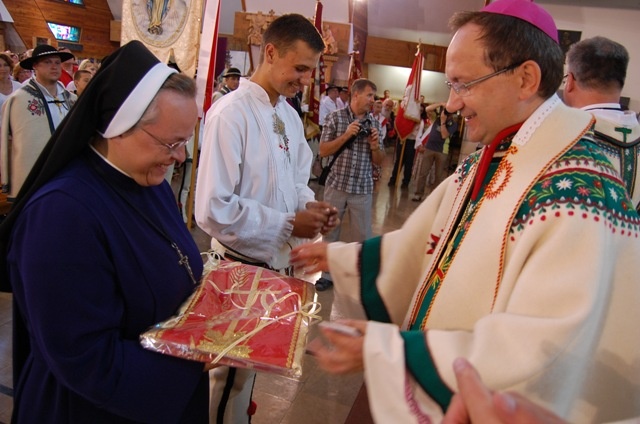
[(509, 295), (49, 81)]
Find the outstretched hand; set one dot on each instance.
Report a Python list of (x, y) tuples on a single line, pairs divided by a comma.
[(310, 257), (344, 353), (475, 403)]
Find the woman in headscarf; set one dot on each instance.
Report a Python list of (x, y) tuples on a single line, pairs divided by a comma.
[(96, 253)]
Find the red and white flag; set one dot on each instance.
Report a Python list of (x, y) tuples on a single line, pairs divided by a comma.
[(207, 56), (409, 110)]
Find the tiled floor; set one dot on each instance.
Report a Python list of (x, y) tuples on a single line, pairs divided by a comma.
[(316, 397)]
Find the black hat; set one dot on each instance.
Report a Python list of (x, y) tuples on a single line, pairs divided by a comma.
[(332, 86), (232, 72), (44, 50)]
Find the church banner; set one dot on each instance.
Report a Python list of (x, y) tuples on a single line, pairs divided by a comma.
[(169, 28)]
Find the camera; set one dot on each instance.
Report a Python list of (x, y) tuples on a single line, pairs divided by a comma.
[(365, 128)]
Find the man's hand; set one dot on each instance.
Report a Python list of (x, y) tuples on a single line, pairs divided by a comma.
[(331, 212), (343, 354), (374, 140), (474, 403), (318, 218), (352, 130), (310, 257)]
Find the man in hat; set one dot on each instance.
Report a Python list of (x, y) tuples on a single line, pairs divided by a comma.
[(231, 81), (597, 69), (252, 195), (343, 97), (31, 115), (489, 266), (328, 103)]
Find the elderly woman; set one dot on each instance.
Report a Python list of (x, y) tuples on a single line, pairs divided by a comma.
[(7, 84), (97, 253), (20, 74)]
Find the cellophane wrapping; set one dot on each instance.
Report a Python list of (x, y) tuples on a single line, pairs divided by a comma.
[(243, 316)]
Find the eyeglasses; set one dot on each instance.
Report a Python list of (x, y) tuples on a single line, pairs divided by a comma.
[(462, 88), (172, 147)]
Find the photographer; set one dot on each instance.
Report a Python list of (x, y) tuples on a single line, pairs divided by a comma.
[(435, 151), (354, 136)]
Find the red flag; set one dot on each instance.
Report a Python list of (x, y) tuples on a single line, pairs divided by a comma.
[(317, 77), (409, 110), (207, 55)]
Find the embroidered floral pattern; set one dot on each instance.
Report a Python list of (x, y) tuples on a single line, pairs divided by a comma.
[(36, 107), (579, 184), (466, 166), (432, 243)]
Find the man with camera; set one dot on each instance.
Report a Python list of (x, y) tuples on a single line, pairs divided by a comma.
[(435, 151), (353, 135)]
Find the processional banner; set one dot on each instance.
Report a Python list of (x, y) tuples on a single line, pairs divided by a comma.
[(169, 28)]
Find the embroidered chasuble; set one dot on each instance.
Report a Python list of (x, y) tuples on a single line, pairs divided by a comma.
[(420, 321), (530, 275)]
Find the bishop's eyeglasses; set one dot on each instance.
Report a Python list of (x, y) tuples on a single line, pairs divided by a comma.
[(462, 88)]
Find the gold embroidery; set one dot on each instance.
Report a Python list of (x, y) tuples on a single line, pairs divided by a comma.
[(215, 341), (279, 128)]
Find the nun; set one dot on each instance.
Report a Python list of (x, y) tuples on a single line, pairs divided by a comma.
[(96, 252)]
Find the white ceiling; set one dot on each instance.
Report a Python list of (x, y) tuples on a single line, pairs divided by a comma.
[(403, 19)]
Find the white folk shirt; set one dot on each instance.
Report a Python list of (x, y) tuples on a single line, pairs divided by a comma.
[(58, 110), (327, 105), (249, 188)]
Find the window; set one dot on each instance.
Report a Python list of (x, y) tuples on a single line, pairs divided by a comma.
[(65, 32)]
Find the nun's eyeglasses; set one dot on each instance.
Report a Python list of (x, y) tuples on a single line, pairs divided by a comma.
[(172, 147), (462, 88)]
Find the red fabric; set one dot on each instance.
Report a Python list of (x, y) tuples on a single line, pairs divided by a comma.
[(208, 90), (65, 78), (231, 302), (487, 155)]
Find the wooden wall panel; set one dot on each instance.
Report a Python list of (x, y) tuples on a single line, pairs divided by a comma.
[(384, 51), (94, 18)]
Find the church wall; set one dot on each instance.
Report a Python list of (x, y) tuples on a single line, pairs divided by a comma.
[(31, 16), (620, 25)]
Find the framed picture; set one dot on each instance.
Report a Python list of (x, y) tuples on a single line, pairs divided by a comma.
[(567, 38), (68, 33), (40, 40)]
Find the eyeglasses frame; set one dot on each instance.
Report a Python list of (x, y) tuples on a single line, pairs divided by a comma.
[(172, 147), (458, 87)]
